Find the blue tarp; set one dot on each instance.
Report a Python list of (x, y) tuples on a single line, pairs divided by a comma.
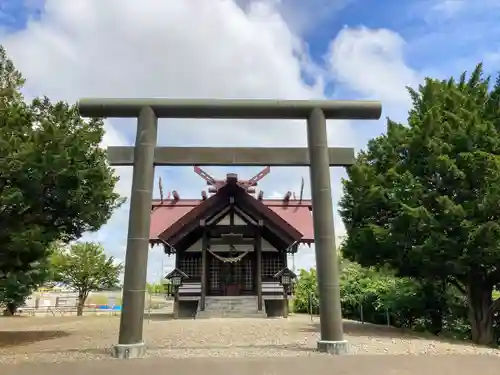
[(106, 307)]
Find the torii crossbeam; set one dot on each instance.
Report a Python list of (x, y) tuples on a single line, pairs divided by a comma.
[(145, 155)]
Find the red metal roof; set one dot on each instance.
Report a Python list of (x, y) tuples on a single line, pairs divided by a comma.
[(299, 217), (165, 215), (296, 213)]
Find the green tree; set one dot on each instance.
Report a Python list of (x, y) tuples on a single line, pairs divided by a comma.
[(156, 288), (306, 292), (378, 294), (55, 183), (85, 268), (19, 285), (375, 295), (423, 198)]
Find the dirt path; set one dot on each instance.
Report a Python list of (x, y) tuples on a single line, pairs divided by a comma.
[(325, 365)]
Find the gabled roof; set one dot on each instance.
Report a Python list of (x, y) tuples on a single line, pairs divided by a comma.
[(246, 201), (218, 202), (196, 213), (171, 217), (285, 271), (176, 272)]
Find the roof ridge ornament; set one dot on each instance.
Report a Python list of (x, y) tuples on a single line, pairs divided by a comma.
[(247, 185)]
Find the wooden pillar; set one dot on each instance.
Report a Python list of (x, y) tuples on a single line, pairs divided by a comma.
[(178, 256), (204, 246), (285, 301), (176, 302), (258, 261), (177, 259), (284, 260)]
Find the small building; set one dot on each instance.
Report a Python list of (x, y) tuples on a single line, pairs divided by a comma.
[(231, 245)]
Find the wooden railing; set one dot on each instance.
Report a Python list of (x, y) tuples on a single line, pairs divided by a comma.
[(190, 291), (272, 290)]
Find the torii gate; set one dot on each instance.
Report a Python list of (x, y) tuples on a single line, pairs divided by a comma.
[(144, 156)]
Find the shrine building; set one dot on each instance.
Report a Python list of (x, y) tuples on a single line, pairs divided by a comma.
[(231, 247)]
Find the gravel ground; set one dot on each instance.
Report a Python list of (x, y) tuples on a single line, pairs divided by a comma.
[(61, 339)]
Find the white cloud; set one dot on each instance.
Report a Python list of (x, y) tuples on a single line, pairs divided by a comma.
[(449, 8), (303, 16), (492, 58), (192, 48), (371, 62)]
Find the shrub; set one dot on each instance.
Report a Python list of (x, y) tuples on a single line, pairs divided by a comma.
[(375, 295)]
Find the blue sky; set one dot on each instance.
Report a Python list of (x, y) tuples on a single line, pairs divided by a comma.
[(344, 49)]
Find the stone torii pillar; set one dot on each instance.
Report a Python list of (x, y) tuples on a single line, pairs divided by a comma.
[(145, 155)]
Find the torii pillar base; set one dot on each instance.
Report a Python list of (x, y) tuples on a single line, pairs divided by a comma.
[(333, 347), (129, 351)]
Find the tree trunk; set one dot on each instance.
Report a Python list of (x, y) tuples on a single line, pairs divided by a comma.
[(10, 309), (435, 301), (81, 303), (480, 313), (436, 322)]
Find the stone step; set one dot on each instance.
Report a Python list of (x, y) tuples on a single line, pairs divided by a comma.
[(223, 308), (231, 304), (232, 310), (231, 307), (252, 306), (235, 308), (230, 301), (238, 301), (214, 315)]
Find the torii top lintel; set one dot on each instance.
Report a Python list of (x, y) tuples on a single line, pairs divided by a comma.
[(230, 109)]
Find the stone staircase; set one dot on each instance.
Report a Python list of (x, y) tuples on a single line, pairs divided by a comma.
[(231, 307)]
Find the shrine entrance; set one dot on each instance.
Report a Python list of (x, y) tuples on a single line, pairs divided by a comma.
[(145, 156), (231, 274)]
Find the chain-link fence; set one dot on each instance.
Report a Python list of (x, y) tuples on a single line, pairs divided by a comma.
[(451, 319), (363, 311)]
